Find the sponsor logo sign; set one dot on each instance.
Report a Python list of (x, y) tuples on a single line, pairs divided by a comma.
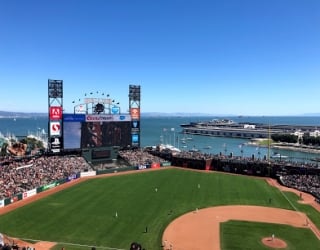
[(49, 186), (74, 117), (89, 173), (55, 142), (29, 193), (135, 139), (72, 177), (55, 113), (80, 109), (115, 110), (135, 126), (107, 118), (121, 118), (99, 118), (135, 113), (55, 128)]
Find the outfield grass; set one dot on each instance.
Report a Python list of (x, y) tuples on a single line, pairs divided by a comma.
[(85, 213)]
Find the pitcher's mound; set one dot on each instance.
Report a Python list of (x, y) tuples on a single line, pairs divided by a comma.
[(274, 242)]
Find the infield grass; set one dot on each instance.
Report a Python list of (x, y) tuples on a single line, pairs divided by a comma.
[(86, 213), (240, 235)]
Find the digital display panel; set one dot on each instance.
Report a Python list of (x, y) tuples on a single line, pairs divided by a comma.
[(72, 135), (98, 154), (80, 131), (103, 134)]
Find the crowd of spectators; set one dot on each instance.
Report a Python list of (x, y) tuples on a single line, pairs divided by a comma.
[(304, 183), (18, 176), (194, 155), (5, 247), (205, 156), (26, 174), (138, 157)]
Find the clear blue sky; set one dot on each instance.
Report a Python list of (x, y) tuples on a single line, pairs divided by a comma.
[(242, 57)]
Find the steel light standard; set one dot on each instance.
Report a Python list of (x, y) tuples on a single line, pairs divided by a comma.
[(225, 149)]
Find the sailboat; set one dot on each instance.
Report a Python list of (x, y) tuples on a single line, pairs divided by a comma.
[(189, 138), (279, 156)]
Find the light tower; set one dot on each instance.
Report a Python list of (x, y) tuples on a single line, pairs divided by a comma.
[(55, 109), (134, 109)]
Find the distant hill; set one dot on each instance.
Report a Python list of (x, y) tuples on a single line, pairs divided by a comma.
[(178, 114), (10, 114), (311, 114)]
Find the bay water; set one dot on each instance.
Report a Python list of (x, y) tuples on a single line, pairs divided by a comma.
[(167, 130)]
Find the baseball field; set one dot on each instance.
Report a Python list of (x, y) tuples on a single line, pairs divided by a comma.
[(111, 212)]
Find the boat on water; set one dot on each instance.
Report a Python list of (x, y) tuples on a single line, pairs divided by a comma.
[(207, 147), (222, 122), (189, 138), (194, 150), (169, 147), (278, 156), (245, 130), (316, 159)]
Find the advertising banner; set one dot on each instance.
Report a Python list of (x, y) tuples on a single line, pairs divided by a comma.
[(107, 118), (72, 177), (74, 117), (155, 165), (166, 164), (121, 118), (135, 113), (135, 126), (135, 139), (80, 109), (89, 173), (55, 144), (99, 118), (140, 167), (29, 193), (55, 128), (49, 186), (55, 113)]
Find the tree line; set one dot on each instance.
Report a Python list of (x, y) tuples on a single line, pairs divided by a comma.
[(306, 139)]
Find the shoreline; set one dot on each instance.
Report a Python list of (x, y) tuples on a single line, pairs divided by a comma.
[(295, 147)]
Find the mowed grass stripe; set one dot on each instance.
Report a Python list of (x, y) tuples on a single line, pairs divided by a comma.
[(85, 213)]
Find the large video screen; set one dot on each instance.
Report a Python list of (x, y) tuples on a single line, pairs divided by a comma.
[(81, 131), (72, 135), (104, 134)]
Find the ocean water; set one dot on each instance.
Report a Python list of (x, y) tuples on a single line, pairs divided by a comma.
[(155, 130)]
